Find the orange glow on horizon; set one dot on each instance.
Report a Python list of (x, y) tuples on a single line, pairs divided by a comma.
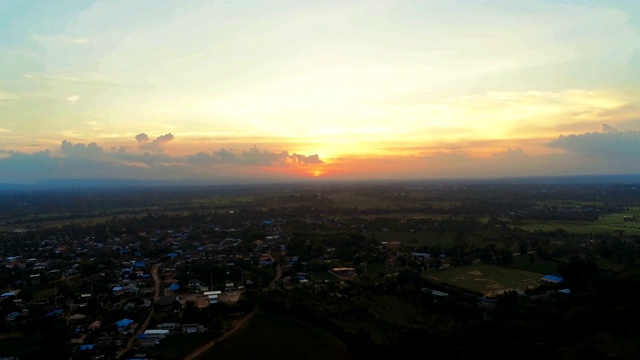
[(316, 173)]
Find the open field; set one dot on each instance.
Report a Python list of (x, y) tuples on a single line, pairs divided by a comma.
[(431, 239), (276, 337), (608, 224), (487, 279)]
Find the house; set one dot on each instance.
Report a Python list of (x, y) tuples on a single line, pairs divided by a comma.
[(145, 341), (168, 326), (166, 302), (13, 316), (192, 328), (343, 273), (95, 325), (124, 323), (156, 333), (195, 284), (87, 347), (421, 256), (552, 279)]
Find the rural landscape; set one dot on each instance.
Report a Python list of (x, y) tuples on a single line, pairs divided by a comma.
[(461, 269), (319, 180)]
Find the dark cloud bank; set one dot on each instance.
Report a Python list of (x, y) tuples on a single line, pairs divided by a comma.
[(594, 153), (91, 161)]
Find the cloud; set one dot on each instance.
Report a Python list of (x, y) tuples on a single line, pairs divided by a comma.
[(254, 156), (306, 159), (4, 130), (611, 143), (90, 151), (73, 98), (62, 39), (75, 78), (157, 145), (142, 138)]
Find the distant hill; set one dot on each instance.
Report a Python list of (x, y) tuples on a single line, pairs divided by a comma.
[(66, 184)]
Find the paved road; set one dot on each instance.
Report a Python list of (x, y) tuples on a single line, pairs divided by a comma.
[(143, 327)]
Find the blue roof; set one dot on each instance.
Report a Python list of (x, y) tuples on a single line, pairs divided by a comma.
[(124, 323), (552, 278), (55, 312), (174, 287)]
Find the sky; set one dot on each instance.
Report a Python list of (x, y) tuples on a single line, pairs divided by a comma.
[(294, 90)]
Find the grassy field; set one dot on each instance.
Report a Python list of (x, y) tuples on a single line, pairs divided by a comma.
[(445, 240), (487, 279), (608, 224), (274, 337)]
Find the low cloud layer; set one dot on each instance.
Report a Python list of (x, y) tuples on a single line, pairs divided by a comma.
[(609, 151), (609, 143), (79, 160), (156, 145)]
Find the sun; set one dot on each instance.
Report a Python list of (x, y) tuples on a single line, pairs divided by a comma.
[(316, 173)]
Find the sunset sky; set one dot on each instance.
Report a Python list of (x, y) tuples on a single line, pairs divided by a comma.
[(285, 90)]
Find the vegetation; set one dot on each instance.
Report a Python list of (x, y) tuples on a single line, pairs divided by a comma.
[(437, 269)]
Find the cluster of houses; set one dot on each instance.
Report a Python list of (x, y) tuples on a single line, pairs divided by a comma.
[(87, 265)]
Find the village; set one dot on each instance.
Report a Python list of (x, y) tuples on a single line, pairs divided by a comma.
[(127, 287)]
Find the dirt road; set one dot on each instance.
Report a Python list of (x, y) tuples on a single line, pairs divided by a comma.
[(143, 327), (235, 326)]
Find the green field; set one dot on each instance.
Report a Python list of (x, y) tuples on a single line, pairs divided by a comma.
[(611, 223), (274, 337), (487, 279)]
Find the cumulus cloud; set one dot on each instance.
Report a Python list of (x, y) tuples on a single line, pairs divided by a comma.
[(254, 156), (306, 159), (80, 150), (142, 138), (73, 99), (80, 160), (157, 145)]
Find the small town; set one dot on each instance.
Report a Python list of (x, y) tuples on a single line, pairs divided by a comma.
[(168, 286)]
